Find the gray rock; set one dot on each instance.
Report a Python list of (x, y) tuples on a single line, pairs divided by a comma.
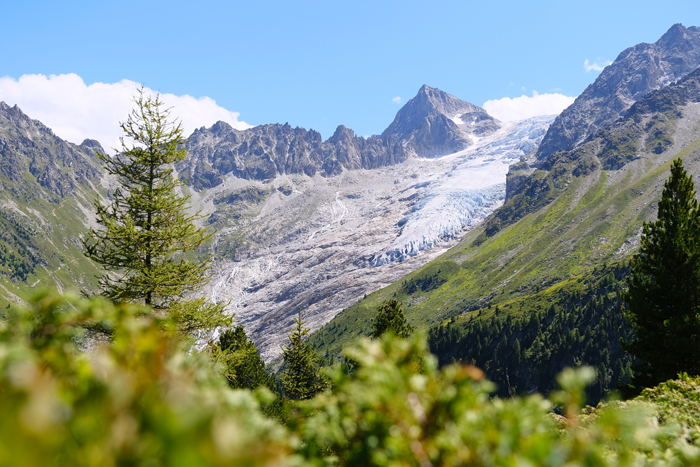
[(432, 124), (435, 123), (635, 72)]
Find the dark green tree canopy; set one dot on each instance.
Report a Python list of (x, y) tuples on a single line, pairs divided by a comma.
[(303, 378), (390, 317), (244, 367), (146, 228), (664, 287)]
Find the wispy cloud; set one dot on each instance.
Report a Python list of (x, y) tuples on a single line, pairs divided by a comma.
[(598, 65), (396, 100), (519, 108), (76, 111)]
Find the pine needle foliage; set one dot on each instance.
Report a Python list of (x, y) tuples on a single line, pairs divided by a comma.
[(146, 229), (664, 287), (302, 379), (390, 317), (244, 367)]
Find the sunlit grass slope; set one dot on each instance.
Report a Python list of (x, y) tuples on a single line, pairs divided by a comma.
[(592, 217)]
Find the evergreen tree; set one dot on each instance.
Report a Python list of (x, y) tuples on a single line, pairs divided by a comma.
[(302, 379), (664, 287), (244, 367), (145, 230), (390, 316)]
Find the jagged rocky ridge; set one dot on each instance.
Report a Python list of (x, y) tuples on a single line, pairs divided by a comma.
[(28, 145), (431, 124), (635, 72), (646, 127)]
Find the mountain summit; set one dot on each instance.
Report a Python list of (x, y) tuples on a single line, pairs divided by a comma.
[(431, 124), (436, 123), (635, 72)]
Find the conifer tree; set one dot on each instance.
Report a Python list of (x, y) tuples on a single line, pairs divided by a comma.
[(244, 367), (145, 229), (303, 378), (664, 287), (390, 316)]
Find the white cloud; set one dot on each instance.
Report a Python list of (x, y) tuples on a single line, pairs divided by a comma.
[(396, 100), (520, 108), (595, 66), (75, 111)]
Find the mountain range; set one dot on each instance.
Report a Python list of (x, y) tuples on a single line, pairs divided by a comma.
[(449, 209), (300, 222), (432, 124), (317, 224)]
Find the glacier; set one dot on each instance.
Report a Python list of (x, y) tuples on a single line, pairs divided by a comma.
[(322, 243)]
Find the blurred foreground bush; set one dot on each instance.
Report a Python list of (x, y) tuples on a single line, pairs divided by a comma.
[(138, 399), (143, 397), (396, 409)]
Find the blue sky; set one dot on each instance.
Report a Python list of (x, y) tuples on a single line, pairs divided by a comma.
[(321, 64)]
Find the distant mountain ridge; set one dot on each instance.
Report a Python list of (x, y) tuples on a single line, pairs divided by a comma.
[(434, 123), (29, 145), (635, 72)]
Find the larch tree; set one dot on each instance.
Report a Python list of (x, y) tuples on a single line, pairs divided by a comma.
[(303, 378), (663, 299), (146, 230)]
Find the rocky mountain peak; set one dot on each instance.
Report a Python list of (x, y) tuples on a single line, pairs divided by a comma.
[(433, 99), (15, 120), (677, 34), (435, 123), (342, 134), (637, 71), (92, 144)]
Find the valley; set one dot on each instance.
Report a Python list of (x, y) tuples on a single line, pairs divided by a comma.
[(322, 243), (448, 210)]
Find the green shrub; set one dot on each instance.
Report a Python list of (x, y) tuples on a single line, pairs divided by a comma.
[(142, 396)]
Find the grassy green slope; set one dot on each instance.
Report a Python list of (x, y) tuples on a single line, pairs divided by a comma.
[(40, 247), (47, 187), (593, 217)]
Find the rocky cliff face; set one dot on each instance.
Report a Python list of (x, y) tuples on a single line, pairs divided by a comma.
[(431, 124), (647, 129), (29, 146), (635, 72), (435, 123)]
